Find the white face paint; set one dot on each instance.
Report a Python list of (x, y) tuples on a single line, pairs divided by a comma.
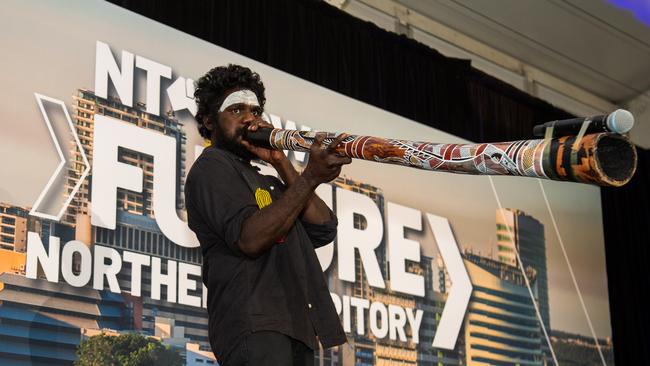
[(240, 97)]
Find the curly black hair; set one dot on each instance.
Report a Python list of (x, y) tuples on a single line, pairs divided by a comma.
[(210, 90)]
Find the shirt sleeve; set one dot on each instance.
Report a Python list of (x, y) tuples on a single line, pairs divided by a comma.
[(221, 202), (321, 234)]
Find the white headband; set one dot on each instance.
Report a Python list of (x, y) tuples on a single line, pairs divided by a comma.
[(240, 97)]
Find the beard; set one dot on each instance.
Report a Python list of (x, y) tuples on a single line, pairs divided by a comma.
[(231, 143)]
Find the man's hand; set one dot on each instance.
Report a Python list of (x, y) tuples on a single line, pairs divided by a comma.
[(263, 229), (270, 156), (324, 162)]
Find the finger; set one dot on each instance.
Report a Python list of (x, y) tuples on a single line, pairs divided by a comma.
[(265, 124), (337, 141), (252, 126), (341, 160), (335, 161), (318, 140), (255, 124)]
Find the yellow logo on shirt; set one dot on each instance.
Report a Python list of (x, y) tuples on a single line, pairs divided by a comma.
[(263, 198)]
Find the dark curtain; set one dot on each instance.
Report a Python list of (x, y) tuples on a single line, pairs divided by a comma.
[(501, 112), (319, 43), (627, 233)]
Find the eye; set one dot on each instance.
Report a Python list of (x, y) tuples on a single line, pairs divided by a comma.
[(256, 112), (236, 110)]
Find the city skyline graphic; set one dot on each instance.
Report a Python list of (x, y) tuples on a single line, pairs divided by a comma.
[(500, 326)]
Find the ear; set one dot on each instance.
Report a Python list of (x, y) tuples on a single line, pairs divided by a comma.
[(207, 123)]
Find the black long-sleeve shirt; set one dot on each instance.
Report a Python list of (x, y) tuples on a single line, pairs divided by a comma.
[(283, 290)]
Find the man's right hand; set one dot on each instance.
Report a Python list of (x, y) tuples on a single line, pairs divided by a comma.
[(324, 162)]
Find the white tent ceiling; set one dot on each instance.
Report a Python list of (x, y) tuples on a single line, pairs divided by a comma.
[(589, 43)]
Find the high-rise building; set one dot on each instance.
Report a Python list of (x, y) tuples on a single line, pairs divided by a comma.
[(519, 231), (441, 282), (501, 326), (16, 222), (86, 105), (13, 227), (433, 304)]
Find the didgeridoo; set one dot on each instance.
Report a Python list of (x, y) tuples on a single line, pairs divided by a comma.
[(604, 159)]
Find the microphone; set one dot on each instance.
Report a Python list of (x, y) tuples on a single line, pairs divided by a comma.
[(620, 121)]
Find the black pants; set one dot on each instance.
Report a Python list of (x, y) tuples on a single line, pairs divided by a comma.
[(269, 348)]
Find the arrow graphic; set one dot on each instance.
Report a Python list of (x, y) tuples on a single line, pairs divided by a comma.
[(461, 286), (181, 95), (34, 211)]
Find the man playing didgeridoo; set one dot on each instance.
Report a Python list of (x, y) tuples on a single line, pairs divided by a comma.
[(268, 302)]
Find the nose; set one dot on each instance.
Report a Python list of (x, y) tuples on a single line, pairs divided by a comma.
[(248, 116)]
